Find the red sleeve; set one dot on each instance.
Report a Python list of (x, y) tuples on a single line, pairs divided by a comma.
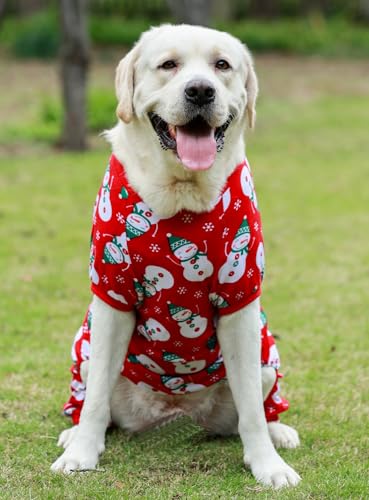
[(110, 263), (241, 268), (247, 288)]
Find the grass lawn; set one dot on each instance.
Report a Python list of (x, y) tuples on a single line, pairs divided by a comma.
[(310, 155)]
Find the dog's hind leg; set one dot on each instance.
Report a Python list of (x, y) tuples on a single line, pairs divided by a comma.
[(67, 436), (283, 436)]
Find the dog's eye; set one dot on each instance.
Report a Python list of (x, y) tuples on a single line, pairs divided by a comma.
[(167, 65), (222, 64)]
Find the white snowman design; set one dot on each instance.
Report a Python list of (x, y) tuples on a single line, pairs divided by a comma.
[(156, 278), (273, 359), (96, 204), (225, 198), (234, 267), (140, 291), (116, 251), (247, 185), (140, 220), (94, 277), (260, 259), (104, 206), (146, 362), (273, 356), (263, 320), (178, 386), (191, 325), (117, 296), (181, 366), (78, 390), (196, 265), (276, 397), (217, 300), (153, 330), (77, 337), (175, 384)]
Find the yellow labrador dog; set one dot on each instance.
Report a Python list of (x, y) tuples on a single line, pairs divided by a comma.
[(185, 95)]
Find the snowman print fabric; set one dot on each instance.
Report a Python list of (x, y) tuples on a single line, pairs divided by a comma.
[(179, 275)]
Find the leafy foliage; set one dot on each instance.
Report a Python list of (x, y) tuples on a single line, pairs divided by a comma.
[(32, 36), (38, 35)]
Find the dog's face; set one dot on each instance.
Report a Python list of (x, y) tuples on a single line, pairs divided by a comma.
[(193, 84)]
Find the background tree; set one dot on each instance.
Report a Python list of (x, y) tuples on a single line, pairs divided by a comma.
[(364, 10), (191, 11), (74, 55)]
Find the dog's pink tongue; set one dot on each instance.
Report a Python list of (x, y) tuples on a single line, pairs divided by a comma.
[(196, 151)]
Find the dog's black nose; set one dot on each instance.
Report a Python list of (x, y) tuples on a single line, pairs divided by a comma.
[(199, 92)]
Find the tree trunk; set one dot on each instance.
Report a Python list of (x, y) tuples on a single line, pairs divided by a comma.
[(264, 8), (223, 10), (363, 8), (74, 66), (2, 9), (29, 6), (191, 11)]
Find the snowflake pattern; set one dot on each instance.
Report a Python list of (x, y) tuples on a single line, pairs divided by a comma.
[(195, 349), (181, 290), (237, 204), (256, 226), (215, 378), (239, 295), (225, 232), (187, 218), (105, 279), (137, 257), (98, 235), (250, 273), (198, 294), (154, 248), (178, 343), (208, 226), (120, 218), (150, 352), (157, 310), (120, 278)]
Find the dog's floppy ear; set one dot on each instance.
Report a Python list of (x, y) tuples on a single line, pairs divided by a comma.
[(252, 90), (124, 85)]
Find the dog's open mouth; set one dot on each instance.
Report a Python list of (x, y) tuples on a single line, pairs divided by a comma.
[(195, 143)]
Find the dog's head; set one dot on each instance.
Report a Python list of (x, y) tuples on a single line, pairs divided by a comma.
[(193, 84)]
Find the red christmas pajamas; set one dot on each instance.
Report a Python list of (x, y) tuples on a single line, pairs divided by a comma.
[(179, 275)]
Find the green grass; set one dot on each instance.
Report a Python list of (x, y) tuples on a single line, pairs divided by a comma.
[(310, 161)]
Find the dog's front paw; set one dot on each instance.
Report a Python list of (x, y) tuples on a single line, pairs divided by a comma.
[(273, 471), (80, 454), (67, 436), (283, 436)]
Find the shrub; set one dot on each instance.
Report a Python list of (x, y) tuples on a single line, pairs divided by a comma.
[(33, 36), (101, 105), (116, 30), (38, 35)]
